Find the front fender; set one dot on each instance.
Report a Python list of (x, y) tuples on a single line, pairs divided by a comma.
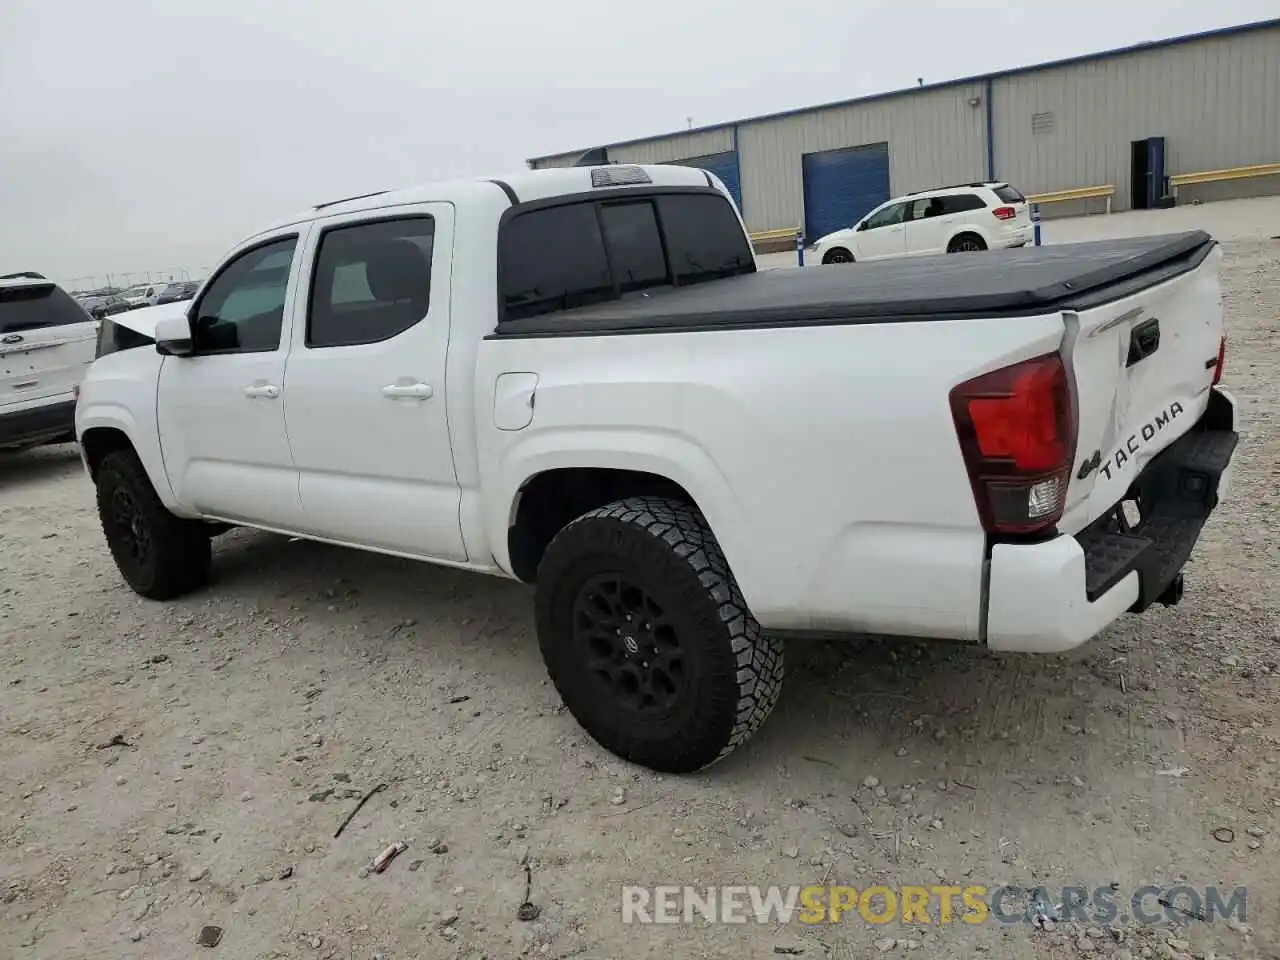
[(117, 396)]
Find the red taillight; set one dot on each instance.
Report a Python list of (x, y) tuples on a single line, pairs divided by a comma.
[(1005, 213), (1017, 431), (1222, 360)]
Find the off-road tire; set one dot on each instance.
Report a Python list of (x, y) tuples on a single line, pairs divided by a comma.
[(735, 673), (178, 553)]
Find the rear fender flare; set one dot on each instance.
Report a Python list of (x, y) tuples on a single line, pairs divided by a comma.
[(676, 458)]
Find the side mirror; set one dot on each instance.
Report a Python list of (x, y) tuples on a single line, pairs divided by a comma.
[(173, 337)]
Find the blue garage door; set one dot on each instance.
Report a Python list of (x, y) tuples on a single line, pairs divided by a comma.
[(842, 185), (724, 166)]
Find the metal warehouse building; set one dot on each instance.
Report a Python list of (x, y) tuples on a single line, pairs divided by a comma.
[(1121, 126)]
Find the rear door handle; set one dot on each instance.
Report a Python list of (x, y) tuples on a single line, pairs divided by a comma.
[(410, 391), (268, 390)]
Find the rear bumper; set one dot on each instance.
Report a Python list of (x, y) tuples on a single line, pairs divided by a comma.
[(1056, 595), (37, 424)]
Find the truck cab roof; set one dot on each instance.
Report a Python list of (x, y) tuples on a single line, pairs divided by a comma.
[(520, 186)]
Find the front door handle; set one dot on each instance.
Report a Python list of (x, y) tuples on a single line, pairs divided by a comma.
[(268, 390), (411, 391)]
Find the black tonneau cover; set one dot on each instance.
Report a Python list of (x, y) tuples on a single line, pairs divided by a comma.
[(995, 283)]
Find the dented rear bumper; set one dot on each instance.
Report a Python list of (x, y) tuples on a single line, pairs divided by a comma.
[(1053, 596)]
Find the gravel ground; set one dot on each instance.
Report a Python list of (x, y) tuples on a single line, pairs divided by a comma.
[(248, 719)]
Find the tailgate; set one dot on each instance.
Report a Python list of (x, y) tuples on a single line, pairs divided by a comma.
[(1143, 367), (46, 343)]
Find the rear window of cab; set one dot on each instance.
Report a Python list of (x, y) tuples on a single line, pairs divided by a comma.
[(581, 252)]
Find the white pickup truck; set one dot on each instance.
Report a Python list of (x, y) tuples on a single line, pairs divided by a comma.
[(579, 379)]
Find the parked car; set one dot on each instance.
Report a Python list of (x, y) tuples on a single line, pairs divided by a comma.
[(110, 306), (144, 294), (175, 292), (46, 345), (577, 378), (976, 216), (92, 302)]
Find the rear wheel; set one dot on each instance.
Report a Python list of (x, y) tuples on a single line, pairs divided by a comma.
[(648, 639), (838, 255), (160, 555), (967, 243)]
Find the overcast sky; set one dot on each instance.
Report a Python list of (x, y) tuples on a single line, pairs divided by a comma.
[(140, 135)]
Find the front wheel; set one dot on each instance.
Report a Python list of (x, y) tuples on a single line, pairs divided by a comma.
[(647, 638), (838, 255), (160, 555)]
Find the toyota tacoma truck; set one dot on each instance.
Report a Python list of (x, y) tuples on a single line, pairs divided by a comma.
[(579, 379)]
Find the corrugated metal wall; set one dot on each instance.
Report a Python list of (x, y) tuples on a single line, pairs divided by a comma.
[(559, 160), (678, 146), (1216, 101), (934, 137)]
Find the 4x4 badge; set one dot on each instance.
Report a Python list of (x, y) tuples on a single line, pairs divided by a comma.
[(11, 338), (1090, 465)]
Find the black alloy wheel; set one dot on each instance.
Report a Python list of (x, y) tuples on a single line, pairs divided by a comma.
[(630, 644)]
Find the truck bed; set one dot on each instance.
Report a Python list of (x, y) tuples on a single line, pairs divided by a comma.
[(996, 283)]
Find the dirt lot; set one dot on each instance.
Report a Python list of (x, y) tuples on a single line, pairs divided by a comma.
[(253, 715)]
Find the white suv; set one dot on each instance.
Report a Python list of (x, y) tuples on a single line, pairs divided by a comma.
[(47, 342), (976, 216)]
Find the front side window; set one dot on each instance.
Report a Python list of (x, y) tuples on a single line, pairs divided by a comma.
[(890, 215), (372, 282), (243, 308), (585, 252)]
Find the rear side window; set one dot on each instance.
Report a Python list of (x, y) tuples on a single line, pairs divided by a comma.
[(35, 307), (962, 202), (1009, 195), (585, 252), (372, 282)]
